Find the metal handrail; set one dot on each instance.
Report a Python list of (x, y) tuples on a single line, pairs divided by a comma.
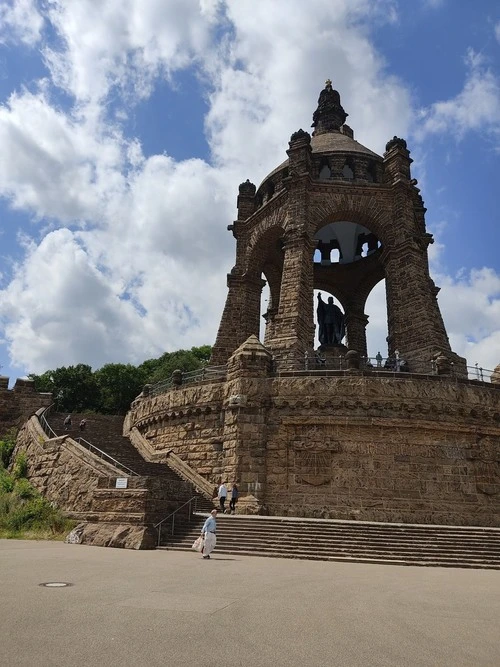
[(204, 373), (47, 428), (158, 525), (103, 455)]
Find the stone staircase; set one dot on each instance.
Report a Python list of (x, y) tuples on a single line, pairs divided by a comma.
[(105, 433), (317, 539)]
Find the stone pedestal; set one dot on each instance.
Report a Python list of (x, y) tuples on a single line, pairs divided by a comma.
[(329, 356)]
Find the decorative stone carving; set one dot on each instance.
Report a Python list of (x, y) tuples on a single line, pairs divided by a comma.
[(395, 142), (313, 466), (329, 115), (300, 135)]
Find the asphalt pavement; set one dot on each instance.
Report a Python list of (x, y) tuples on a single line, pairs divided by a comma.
[(175, 609)]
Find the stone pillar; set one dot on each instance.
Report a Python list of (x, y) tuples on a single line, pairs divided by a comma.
[(293, 324), (415, 325), (356, 331), (245, 423), (414, 321), (241, 316), (246, 200)]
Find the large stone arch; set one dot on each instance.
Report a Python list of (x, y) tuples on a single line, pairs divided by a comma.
[(369, 210)]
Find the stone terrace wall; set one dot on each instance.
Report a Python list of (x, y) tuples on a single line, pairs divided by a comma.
[(187, 421), (60, 469), (19, 403), (418, 451), (423, 450)]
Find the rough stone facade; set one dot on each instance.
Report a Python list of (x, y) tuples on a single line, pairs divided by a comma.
[(186, 420), (63, 471), (20, 402), (349, 445)]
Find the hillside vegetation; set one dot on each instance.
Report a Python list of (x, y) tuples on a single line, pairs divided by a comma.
[(24, 513), (112, 388)]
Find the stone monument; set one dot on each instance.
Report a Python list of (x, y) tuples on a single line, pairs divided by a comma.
[(409, 438)]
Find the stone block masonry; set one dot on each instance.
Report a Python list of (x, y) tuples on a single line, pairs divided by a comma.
[(20, 402)]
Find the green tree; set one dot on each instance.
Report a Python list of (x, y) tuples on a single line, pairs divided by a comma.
[(184, 360), (74, 388), (118, 385), (113, 387)]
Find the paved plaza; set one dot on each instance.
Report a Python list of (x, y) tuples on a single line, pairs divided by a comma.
[(173, 608)]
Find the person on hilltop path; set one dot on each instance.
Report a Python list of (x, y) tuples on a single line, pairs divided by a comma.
[(222, 495), (208, 531), (67, 422), (234, 499), (83, 424)]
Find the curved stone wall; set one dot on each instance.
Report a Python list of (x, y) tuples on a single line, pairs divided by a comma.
[(187, 421), (410, 449)]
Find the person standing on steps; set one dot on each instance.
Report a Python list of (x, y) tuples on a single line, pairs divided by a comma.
[(222, 495), (208, 531), (67, 423), (234, 499)]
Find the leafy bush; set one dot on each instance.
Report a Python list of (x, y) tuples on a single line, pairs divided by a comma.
[(20, 466), (23, 489), (7, 444), (112, 388), (24, 512), (6, 482)]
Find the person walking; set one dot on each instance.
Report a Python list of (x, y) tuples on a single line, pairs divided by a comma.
[(222, 495), (67, 423), (83, 424), (234, 499), (208, 532)]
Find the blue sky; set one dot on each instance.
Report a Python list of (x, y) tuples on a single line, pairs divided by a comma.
[(126, 127)]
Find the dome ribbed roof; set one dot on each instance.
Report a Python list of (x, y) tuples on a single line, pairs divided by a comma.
[(336, 142), (327, 137), (330, 142)]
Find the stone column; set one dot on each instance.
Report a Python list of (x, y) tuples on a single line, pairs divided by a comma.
[(356, 331), (414, 321), (293, 324), (245, 423), (241, 316)]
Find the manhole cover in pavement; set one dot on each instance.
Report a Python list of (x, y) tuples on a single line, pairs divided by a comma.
[(55, 584)]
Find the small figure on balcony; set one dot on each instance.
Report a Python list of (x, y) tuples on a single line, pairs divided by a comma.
[(331, 322)]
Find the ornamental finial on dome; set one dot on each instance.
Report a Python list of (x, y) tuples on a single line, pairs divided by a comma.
[(330, 115)]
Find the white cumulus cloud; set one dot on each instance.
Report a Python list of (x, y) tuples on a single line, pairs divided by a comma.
[(20, 21), (131, 252), (475, 108)]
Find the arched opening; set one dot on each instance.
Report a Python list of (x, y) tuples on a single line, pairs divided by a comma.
[(376, 330), (325, 296), (324, 170), (265, 263), (348, 170), (344, 242), (265, 304), (371, 172)]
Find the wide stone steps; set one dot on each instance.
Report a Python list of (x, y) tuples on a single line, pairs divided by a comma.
[(105, 433), (445, 546)]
